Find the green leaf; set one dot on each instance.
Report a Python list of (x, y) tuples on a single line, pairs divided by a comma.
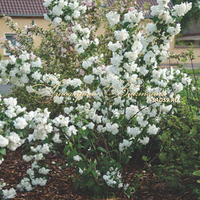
[(18, 61), (145, 158), (65, 149), (90, 183), (155, 19), (76, 184), (85, 121), (101, 149), (180, 65), (86, 145), (81, 164), (124, 121), (197, 173), (74, 153), (183, 59), (77, 120), (3, 151), (85, 137), (94, 174)]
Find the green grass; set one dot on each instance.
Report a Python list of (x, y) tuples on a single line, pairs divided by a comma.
[(190, 71)]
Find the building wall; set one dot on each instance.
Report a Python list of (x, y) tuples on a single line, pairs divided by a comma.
[(194, 28), (171, 49), (22, 21), (43, 23)]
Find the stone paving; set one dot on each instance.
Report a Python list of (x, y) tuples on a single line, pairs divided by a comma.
[(4, 89)]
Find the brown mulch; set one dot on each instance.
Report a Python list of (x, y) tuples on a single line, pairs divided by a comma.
[(58, 187)]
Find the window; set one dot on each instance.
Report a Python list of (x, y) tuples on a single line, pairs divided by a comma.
[(11, 38)]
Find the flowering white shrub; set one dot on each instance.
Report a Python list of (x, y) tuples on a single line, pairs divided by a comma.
[(110, 112)]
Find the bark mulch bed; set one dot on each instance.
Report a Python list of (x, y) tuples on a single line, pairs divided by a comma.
[(13, 169)]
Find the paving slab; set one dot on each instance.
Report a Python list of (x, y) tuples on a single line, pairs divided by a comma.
[(4, 89)]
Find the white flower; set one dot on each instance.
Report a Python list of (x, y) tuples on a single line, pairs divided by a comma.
[(163, 2), (57, 10), (133, 131), (39, 181), (2, 184), (73, 5), (36, 75), (125, 144), (67, 18), (151, 28), (39, 156), (131, 111), (114, 46), (30, 172), (57, 21), (24, 78), (82, 8), (113, 18), (20, 123), (71, 130), (42, 181), (113, 128), (45, 149), (96, 41), (29, 116), (46, 17), (152, 130), (144, 141), (166, 108), (73, 37), (121, 35), (56, 138), (143, 70), (77, 158), (27, 158), (1, 162), (177, 87), (76, 14), (58, 99), (43, 170), (88, 79), (24, 56), (141, 122), (186, 80), (12, 60), (91, 125), (11, 112), (132, 56), (3, 141), (10, 101), (182, 9), (14, 141), (37, 63), (19, 109), (80, 171), (26, 68), (174, 31), (47, 3), (67, 110), (14, 137), (116, 59), (9, 194)]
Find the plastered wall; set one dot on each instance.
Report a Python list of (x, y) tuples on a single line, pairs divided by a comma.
[(22, 21)]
